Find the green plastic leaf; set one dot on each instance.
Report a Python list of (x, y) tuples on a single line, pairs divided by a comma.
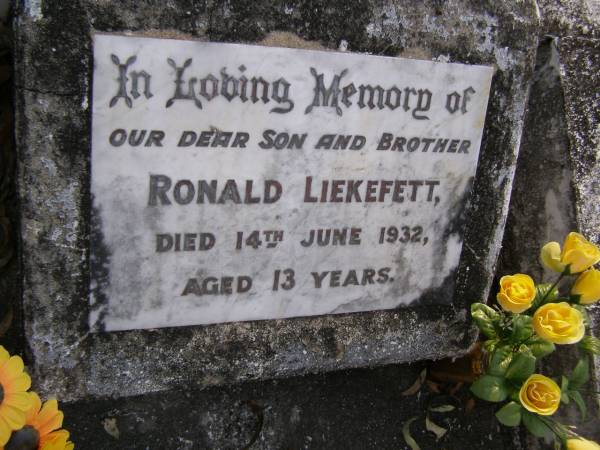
[(490, 345), (485, 318), (491, 313), (578, 399), (514, 396), (540, 347), (442, 408), (435, 428), (590, 344), (490, 388), (500, 360), (574, 299), (535, 425), (584, 314), (581, 374), (522, 330), (543, 295), (407, 436), (564, 386), (510, 414), (521, 367)]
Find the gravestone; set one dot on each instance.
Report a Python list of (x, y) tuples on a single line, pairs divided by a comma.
[(201, 213), (234, 182)]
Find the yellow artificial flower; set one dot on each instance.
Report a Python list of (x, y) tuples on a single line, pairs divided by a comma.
[(550, 257), (540, 395), (14, 400), (516, 292), (587, 286), (58, 440), (578, 253), (41, 427), (581, 444), (559, 323)]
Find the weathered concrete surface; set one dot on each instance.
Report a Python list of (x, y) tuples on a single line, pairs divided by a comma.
[(542, 205), (358, 409), (53, 50)]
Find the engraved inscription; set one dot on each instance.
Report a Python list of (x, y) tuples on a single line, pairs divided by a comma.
[(234, 182)]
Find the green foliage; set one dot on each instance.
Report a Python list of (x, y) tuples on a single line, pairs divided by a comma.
[(540, 347), (521, 367), (564, 387), (584, 313), (490, 345), (574, 298), (486, 319), (522, 330), (510, 414), (590, 344), (580, 375), (536, 425), (491, 388), (500, 361), (578, 399), (543, 295), (513, 348)]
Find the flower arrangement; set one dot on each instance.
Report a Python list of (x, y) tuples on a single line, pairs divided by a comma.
[(25, 423), (529, 322)]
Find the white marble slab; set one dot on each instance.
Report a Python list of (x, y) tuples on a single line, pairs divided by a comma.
[(142, 199)]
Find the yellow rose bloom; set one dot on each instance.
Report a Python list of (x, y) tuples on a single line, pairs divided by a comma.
[(581, 444), (14, 400), (516, 292), (540, 395), (587, 287), (559, 323), (579, 253), (550, 257)]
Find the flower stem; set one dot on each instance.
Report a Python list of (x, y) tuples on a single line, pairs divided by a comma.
[(553, 427), (560, 277)]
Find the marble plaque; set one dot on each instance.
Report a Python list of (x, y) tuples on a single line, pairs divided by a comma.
[(236, 182)]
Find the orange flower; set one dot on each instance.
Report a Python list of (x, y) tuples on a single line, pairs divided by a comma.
[(14, 400), (41, 430), (58, 440)]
